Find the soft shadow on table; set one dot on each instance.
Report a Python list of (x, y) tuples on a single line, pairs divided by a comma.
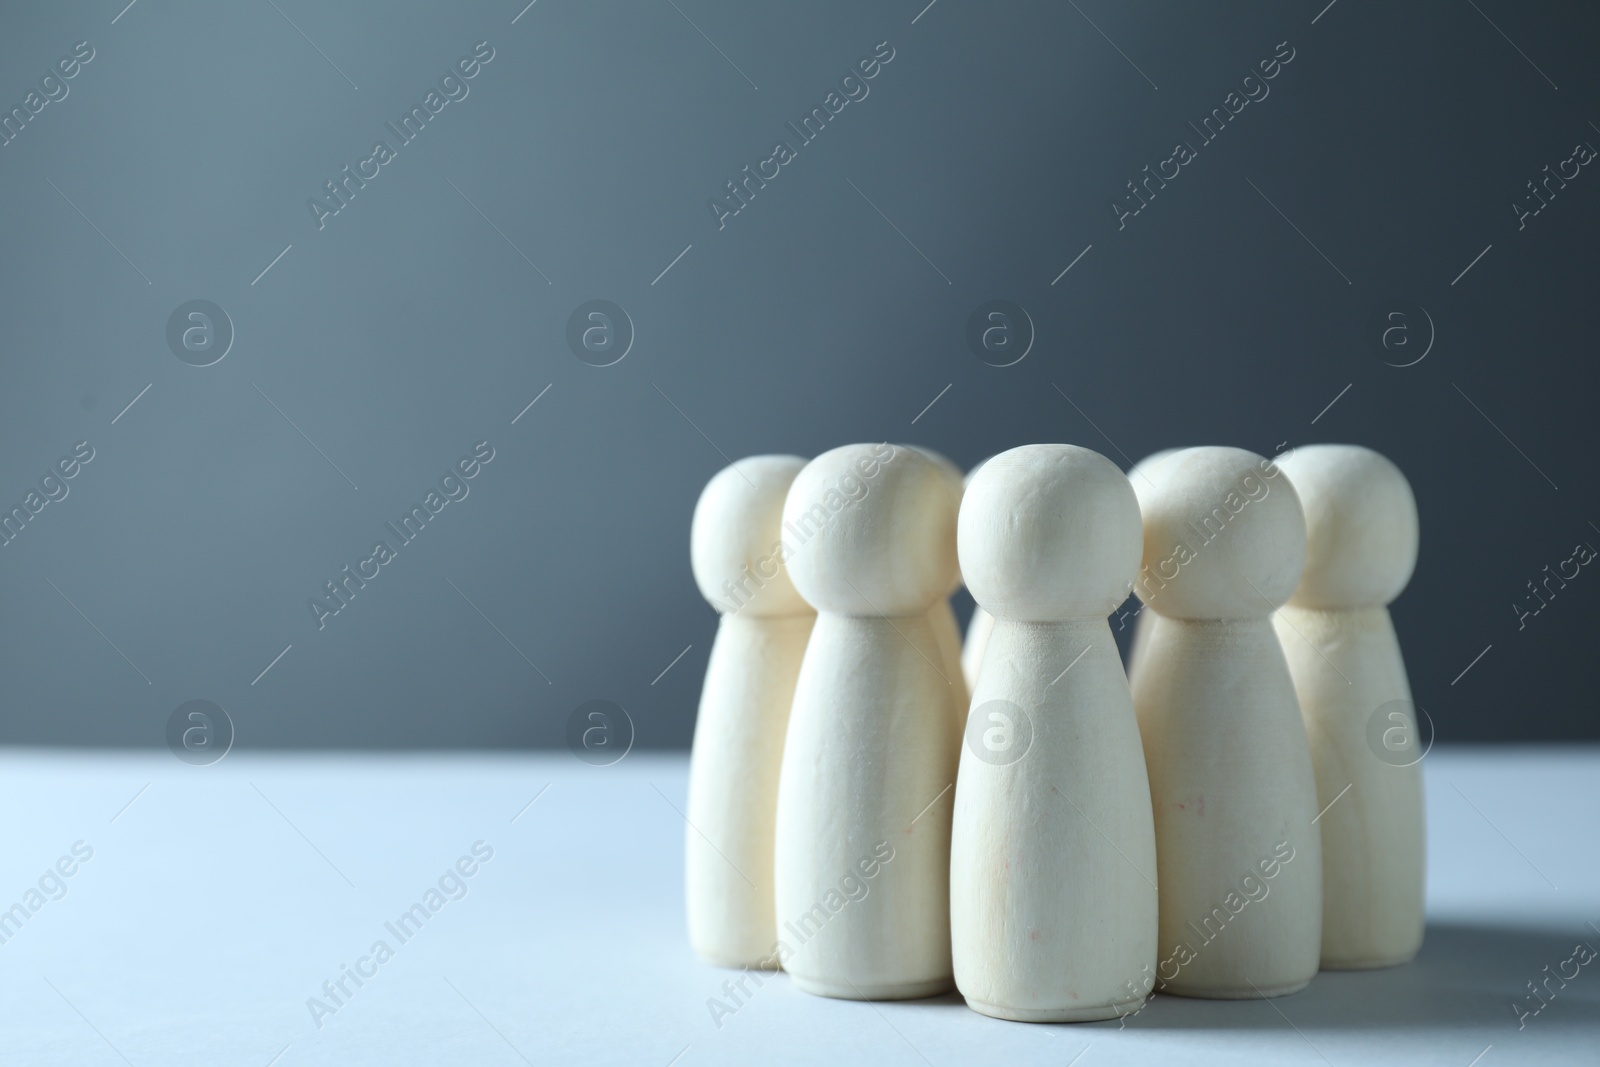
[(1465, 975)]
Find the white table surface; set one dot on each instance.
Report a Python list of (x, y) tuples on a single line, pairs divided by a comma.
[(218, 902)]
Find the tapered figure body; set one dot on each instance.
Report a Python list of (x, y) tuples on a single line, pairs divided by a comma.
[(1361, 522), (735, 545), (1053, 857), (1231, 783), (869, 764)]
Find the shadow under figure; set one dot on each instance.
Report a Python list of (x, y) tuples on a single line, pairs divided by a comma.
[(1467, 976)]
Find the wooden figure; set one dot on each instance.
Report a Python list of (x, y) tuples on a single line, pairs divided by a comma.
[(737, 552), (1231, 783), (870, 760), (1053, 855), (1361, 523)]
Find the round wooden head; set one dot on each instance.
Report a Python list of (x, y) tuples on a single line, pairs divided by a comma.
[(1139, 473), (1361, 526), (1049, 532), (736, 546), (1224, 535), (873, 531)]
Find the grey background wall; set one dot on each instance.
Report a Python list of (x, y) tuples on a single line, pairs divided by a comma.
[(1246, 303)]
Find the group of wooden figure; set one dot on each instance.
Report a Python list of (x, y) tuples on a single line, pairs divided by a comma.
[(886, 815)]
